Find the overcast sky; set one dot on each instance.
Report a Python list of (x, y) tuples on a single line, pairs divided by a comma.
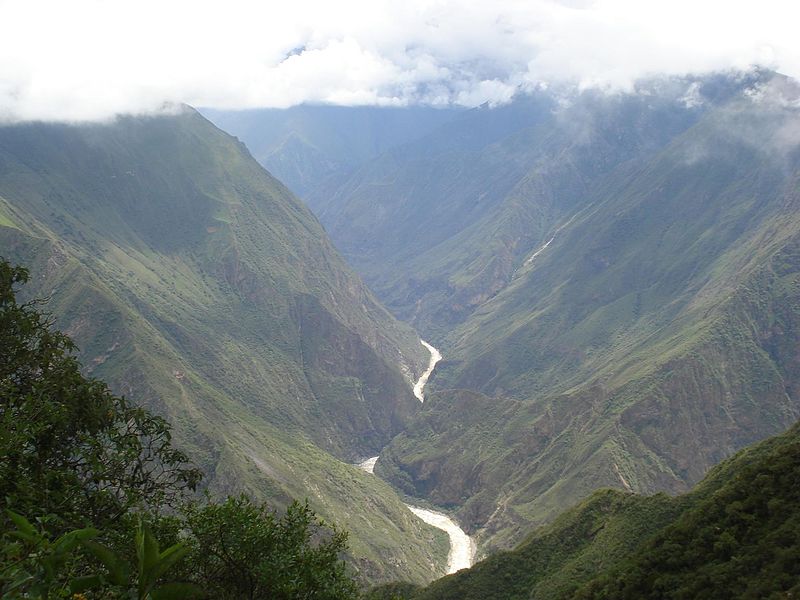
[(90, 59)]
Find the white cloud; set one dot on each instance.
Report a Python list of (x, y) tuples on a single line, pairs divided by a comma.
[(90, 59)]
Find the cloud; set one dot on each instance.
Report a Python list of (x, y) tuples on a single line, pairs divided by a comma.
[(91, 59)]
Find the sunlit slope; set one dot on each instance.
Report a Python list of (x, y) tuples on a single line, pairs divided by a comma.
[(195, 283), (733, 536), (652, 338)]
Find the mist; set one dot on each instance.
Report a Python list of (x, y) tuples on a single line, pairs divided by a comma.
[(90, 60)]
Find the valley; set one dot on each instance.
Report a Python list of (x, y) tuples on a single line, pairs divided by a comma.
[(196, 285), (399, 301), (606, 276), (612, 281), (462, 547)]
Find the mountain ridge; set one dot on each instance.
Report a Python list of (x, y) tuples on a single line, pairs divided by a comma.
[(307, 145), (618, 359), (720, 539), (197, 285), (478, 194)]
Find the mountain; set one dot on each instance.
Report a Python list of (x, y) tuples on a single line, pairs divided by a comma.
[(654, 336), (305, 146), (440, 225), (612, 279), (734, 536), (196, 284)]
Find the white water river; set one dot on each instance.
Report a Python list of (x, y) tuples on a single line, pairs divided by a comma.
[(423, 379), (462, 547)]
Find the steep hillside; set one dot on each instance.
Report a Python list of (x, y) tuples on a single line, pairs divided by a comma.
[(195, 283), (306, 146), (440, 225), (652, 338), (734, 536)]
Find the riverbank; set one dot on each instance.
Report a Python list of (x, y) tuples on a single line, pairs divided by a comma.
[(462, 547)]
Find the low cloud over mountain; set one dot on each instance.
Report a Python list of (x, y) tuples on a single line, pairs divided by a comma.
[(90, 60)]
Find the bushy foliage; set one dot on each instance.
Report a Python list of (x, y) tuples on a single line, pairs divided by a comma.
[(91, 485), (70, 447), (34, 566), (245, 550), (398, 590), (743, 541)]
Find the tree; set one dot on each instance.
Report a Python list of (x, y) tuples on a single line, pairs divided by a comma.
[(34, 566), (244, 550), (69, 447), (88, 469)]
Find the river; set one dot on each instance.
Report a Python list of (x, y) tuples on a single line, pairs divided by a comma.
[(462, 547), (423, 379)]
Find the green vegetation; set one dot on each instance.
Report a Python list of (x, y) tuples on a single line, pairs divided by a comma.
[(648, 342), (735, 536), (34, 567), (241, 550), (439, 225), (69, 446), (198, 287), (653, 337), (738, 540), (88, 468)]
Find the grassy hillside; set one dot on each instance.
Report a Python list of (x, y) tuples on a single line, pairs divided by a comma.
[(651, 339), (440, 225), (196, 284), (734, 536)]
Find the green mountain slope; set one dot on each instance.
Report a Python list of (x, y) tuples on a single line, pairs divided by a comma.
[(195, 283), (734, 536), (305, 146), (440, 225), (651, 339)]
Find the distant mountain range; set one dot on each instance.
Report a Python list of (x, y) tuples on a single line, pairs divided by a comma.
[(305, 146), (610, 277)]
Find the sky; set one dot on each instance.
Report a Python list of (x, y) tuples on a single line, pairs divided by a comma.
[(77, 60)]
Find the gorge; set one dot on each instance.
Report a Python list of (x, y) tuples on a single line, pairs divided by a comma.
[(612, 278), (462, 547)]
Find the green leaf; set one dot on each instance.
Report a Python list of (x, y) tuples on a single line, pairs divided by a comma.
[(22, 524), (148, 555), (177, 591), (167, 559), (20, 580), (69, 540), (27, 537), (146, 549), (118, 569)]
